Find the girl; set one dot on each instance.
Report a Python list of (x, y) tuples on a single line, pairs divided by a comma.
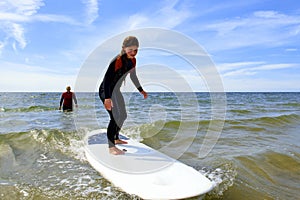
[(109, 90)]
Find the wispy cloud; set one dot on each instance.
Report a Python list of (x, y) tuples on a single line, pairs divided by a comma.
[(261, 85), (173, 13), (91, 10), (14, 11), (18, 33), (256, 29), (169, 15), (6, 17), (291, 49), (12, 17), (243, 69), (1, 46), (15, 14), (225, 67), (25, 77), (24, 7)]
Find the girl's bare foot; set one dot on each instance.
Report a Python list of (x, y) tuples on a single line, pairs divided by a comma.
[(115, 151), (118, 141)]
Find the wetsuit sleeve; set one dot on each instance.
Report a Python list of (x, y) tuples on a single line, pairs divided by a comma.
[(74, 97), (108, 80), (135, 79), (61, 100)]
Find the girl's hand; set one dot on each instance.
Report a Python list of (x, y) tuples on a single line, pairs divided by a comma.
[(108, 104), (144, 94)]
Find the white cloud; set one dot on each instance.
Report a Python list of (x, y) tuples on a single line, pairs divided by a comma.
[(275, 66), (91, 10), (2, 45), (170, 15), (260, 20), (22, 77), (24, 7), (6, 17), (261, 85), (11, 13), (18, 33), (291, 49), (15, 13), (231, 66), (15, 81), (242, 69), (14, 17), (268, 14), (54, 18), (137, 20), (257, 29)]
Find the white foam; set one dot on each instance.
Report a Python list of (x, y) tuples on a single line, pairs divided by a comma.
[(222, 178)]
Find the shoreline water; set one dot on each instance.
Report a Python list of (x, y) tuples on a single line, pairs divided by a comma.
[(257, 155)]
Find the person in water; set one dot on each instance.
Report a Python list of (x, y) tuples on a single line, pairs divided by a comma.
[(67, 99), (109, 90)]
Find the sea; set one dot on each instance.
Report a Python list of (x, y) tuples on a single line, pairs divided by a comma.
[(250, 149)]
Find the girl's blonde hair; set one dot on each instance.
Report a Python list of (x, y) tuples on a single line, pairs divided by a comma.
[(129, 41)]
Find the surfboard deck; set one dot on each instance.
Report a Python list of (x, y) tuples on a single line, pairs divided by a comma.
[(144, 171)]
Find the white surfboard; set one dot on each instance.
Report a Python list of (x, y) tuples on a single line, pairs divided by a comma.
[(143, 171)]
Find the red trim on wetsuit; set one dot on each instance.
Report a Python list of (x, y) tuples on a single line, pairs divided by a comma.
[(119, 64), (119, 67)]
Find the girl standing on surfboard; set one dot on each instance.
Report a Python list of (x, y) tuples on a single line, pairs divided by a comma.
[(109, 90)]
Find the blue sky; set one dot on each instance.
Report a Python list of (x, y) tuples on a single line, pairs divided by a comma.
[(254, 44)]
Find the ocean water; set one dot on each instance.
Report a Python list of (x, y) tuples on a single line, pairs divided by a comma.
[(256, 156)]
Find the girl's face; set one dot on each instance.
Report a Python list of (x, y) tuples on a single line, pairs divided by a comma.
[(131, 51)]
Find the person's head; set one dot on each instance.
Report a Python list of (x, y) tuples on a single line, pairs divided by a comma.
[(68, 88), (130, 46)]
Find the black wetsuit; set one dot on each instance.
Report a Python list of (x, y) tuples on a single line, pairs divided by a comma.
[(110, 89)]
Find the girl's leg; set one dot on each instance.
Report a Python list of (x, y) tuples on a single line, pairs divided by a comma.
[(119, 112), (111, 130), (112, 126), (117, 118)]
